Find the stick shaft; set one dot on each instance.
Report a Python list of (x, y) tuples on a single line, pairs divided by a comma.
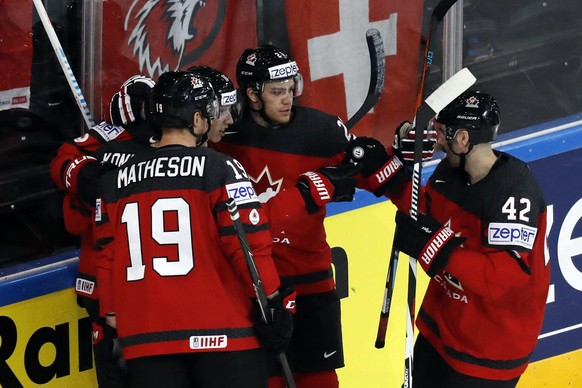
[(387, 300), (436, 17), (257, 284), (62, 58)]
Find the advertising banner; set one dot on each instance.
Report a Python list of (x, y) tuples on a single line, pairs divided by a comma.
[(15, 53), (327, 39), (562, 329)]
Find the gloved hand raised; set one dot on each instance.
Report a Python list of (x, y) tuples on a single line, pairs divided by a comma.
[(383, 172), (276, 334), (426, 240), (404, 141), (328, 184)]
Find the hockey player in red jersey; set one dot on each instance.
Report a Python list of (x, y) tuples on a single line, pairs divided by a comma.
[(172, 275), (481, 237), (229, 104), (277, 142), (74, 169)]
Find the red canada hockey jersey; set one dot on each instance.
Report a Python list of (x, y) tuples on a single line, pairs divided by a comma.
[(170, 264), (105, 143), (484, 312), (274, 159)]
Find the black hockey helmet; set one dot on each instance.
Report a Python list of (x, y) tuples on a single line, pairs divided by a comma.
[(223, 86), (264, 64), (178, 94), (125, 105), (475, 111)]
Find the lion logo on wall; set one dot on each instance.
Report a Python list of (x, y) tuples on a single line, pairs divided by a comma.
[(165, 33)]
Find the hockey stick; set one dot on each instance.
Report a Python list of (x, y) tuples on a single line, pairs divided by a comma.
[(62, 58), (436, 17), (257, 284), (422, 117), (387, 300), (377, 73), (441, 97)]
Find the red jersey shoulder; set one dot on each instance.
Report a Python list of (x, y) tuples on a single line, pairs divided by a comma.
[(170, 169), (311, 133)]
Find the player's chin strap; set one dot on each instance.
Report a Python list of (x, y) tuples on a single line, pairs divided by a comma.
[(264, 116), (201, 139), (462, 155)]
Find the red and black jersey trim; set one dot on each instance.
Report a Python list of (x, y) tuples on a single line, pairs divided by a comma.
[(306, 278), (249, 229), (492, 364), (183, 335), (467, 358)]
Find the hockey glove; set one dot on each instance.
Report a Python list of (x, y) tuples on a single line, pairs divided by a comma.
[(404, 141), (328, 184), (428, 241), (88, 182), (276, 334), (71, 172), (383, 172)]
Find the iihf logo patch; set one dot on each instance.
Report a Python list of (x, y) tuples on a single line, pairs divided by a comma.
[(208, 341)]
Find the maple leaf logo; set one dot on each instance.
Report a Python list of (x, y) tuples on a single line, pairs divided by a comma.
[(266, 187)]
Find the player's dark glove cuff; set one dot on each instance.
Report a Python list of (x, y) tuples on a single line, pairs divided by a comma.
[(328, 184), (384, 173), (88, 182), (389, 178), (276, 334), (426, 240)]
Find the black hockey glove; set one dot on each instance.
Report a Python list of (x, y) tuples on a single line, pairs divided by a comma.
[(428, 241), (328, 184), (383, 172), (276, 334), (404, 141), (88, 182)]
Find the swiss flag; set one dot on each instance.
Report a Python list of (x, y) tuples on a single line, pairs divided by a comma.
[(150, 37), (328, 40)]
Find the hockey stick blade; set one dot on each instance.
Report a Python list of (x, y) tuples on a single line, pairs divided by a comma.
[(377, 74), (444, 94), (257, 284), (440, 98)]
